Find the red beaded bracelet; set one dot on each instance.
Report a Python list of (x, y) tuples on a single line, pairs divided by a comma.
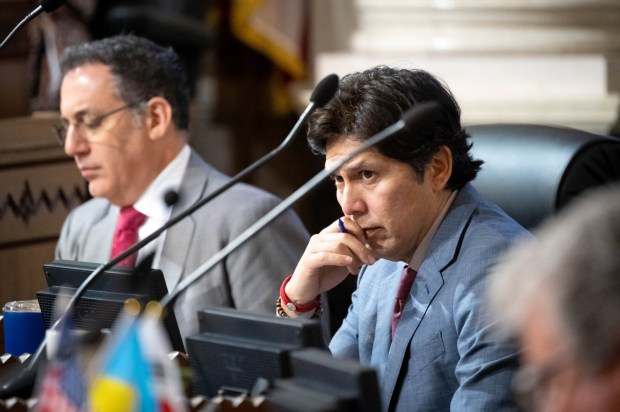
[(296, 307)]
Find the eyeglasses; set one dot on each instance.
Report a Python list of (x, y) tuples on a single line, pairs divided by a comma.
[(86, 128)]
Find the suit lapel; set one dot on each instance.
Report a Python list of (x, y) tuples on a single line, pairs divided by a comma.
[(443, 251), (100, 234), (178, 238), (428, 282), (384, 312)]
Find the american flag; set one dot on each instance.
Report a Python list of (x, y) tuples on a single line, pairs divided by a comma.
[(62, 386)]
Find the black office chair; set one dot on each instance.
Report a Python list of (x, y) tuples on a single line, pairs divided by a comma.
[(532, 171)]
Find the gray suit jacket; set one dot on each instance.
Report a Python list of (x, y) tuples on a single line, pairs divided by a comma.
[(443, 356), (248, 279)]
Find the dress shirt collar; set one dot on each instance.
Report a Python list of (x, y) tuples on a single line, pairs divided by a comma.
[(151, 202)]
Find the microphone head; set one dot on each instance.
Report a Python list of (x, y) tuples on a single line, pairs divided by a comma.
[(325, 90), (51, 5), (171, 197), (143, 268), (422, 115)]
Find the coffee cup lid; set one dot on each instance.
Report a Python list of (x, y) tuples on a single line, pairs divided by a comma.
[(22, 306)]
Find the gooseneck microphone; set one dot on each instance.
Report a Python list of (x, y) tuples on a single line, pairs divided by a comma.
[(44, 6), (322, 93), (421, 116)]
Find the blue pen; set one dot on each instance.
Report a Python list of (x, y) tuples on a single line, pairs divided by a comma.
[(341, 226)]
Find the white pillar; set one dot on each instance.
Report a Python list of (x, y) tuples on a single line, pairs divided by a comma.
[(524, 61)]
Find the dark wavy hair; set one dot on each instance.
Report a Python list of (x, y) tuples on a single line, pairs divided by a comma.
[(141, 70), (369, 101)]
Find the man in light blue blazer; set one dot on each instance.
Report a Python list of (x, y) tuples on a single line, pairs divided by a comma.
[(125, 119), (409, 212)]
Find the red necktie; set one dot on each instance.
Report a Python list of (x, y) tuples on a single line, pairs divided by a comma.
[(404, 287), (126, 234)]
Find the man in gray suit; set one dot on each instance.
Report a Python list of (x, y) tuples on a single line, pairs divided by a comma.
[(410, 216), (124, 108)]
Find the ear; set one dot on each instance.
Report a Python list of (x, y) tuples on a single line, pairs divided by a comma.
[(440, 168), (158, 117)]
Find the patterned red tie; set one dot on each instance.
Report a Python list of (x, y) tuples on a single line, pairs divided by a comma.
[(404, 287), (126, 234)]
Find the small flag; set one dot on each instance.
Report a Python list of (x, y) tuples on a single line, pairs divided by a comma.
[(63, 386), (136, 373), (124, 382), (166, 378)]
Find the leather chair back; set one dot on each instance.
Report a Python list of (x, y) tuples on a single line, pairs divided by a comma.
[(532, 171)]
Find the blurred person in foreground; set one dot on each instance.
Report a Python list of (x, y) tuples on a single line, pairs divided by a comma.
[(125, 120), (410, 215), (559, 297)]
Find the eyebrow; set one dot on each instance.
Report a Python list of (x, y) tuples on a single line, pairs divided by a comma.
[(79, 114), (352, 166)]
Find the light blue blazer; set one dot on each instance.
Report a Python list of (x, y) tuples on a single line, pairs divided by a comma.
[(249, 278), (443, 356)]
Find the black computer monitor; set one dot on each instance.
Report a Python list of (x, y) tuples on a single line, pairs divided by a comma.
[(100, 305), (235, 348)]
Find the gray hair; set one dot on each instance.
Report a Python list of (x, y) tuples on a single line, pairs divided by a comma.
[(574, 266)]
